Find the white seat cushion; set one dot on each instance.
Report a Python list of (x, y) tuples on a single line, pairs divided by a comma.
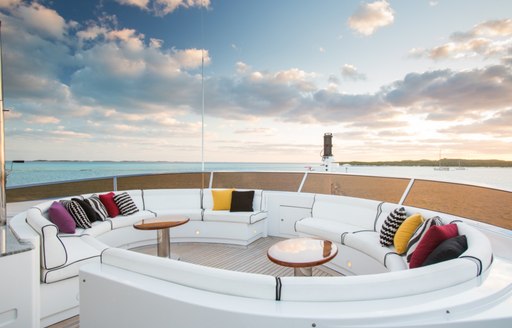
[(121, 221), (324, 228), (192, 214), (98, 228), (237, 217), (80, 250), (368, 242)]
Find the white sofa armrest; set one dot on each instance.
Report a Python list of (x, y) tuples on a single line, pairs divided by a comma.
[(53, 252)]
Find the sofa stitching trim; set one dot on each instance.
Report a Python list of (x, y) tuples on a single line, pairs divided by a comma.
[(37, 208), (44, 249), (313, 205), (342, 237), (73, 236), (64, 266), (477, 261), (101, 254), (295, 224), (261, 200), (365, 230), (254, 214), (279, 287), (379, 212), (386, 258), (201, 195), (201, 201)]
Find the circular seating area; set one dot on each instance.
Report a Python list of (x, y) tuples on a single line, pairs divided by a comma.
[(374, 272)]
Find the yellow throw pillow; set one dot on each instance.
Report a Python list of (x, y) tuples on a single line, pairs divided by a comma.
[(405, 232), (222, 199)]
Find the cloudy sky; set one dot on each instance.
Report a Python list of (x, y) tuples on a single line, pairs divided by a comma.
[(121, 79)]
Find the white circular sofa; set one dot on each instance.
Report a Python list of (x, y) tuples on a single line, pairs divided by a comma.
[(106, 267)]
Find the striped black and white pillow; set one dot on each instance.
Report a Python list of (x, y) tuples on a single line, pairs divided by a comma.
[(419, 233), (97, 206), (391, 225), (78, 213), (125, 204)]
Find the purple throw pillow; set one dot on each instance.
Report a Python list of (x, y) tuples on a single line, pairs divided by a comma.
[(61, 218)]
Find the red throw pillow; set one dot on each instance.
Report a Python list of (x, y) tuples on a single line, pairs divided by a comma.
[(432, 238), (110, 205)]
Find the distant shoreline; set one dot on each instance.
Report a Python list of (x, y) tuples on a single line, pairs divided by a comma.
[(447, 162)]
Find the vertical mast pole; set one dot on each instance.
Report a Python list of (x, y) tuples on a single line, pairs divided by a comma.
[(3, 212), (202, 91)]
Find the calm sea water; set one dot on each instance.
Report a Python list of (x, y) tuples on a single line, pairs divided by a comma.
[(43, 172)]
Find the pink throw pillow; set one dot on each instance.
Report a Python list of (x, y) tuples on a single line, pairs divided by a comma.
[(108, 201), (432, 238), (61, 218)]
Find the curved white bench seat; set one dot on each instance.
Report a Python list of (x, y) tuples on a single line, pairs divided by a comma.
[(338, 219), (192, 275), (319, 289), (352, 223), (62, 253)]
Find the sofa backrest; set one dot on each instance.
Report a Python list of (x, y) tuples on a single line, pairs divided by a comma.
[(349, 210), (479, 247), (170, 199), (136, 195), (387, 208), (257, 204), (192, 275), (378, 286)]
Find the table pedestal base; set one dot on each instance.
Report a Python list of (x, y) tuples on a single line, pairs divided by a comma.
[(303, 272), (163, 243)]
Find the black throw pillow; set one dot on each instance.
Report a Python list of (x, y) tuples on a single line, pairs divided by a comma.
[(448, 250), (241, 201), (89, 211)]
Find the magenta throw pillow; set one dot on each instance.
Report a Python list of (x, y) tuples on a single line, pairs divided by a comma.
[(61, 218)]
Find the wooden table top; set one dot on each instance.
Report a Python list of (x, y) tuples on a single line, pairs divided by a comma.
[(164, 222), (302, 252)]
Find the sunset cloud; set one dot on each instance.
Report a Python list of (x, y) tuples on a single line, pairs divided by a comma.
[(108, 83), (142, 4), (164, 7), (43, 120), (488, 39), (44, 20), (350, 72), (371, 16), (9, 3)]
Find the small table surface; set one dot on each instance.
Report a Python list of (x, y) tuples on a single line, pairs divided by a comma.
[(164, 222), (302, 252)]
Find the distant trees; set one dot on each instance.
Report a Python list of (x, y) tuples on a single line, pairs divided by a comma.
[(454, 162)]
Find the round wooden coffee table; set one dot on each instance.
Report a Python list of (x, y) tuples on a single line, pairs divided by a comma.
[(302, 254), (162, 225)]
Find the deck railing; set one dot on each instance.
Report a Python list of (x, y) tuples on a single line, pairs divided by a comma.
[(488, 205)]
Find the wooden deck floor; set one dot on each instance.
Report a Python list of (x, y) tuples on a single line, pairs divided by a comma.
[(251, 258)]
